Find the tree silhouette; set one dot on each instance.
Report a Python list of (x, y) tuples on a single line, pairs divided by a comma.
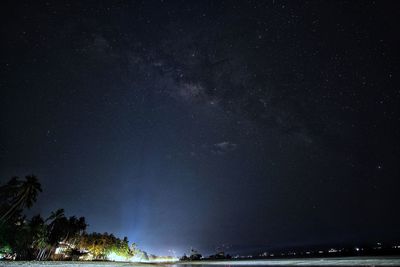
[(38, 238), (39, 233), (25, 194)]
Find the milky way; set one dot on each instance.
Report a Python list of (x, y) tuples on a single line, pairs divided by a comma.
[(246, 125)]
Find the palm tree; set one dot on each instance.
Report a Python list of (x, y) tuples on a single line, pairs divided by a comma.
[(39, 236), (8, 190), (26, 195), (81, 224), (58, 228), (56, 215), (8, 193), (56, 225), (74, 227), (48, 236)]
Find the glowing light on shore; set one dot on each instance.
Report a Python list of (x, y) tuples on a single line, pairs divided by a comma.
[(115, 257), (162, 260)]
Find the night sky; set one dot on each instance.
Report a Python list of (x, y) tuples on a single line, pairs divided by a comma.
[(251, 124)]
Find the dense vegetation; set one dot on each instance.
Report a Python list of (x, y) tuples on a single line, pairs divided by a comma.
[(54, 237)]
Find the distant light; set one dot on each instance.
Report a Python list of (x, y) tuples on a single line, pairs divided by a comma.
[(159, 260), (114, 257)]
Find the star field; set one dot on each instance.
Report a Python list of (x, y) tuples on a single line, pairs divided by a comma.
[(198, 123)]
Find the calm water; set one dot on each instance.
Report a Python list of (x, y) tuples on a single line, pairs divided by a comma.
[(365, 261), (354, 261)]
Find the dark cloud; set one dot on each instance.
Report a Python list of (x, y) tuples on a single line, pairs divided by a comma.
[(223, 147)]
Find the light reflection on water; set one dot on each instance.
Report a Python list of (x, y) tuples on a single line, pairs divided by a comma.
[(351, 261)]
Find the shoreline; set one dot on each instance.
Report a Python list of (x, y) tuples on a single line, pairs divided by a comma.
[(340, 261)]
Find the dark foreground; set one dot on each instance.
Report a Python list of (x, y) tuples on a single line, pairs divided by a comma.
[(353, 261)]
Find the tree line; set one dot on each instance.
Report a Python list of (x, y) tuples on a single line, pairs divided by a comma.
[(53, 237)]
